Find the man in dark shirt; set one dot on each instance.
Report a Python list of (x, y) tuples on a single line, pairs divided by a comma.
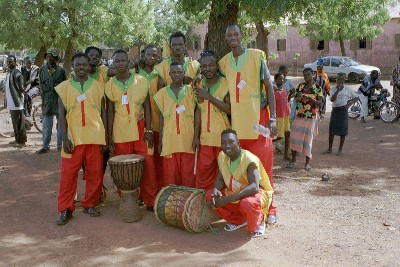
[(50, 75), (31, 77)]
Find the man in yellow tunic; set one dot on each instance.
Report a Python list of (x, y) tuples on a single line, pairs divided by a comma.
[(177, 104), (210, 119), (252, 99), (177, 42), (242, 193), (81, 109), (127, 100), (148, 71)]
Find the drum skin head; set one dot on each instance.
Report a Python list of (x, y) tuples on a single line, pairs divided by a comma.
[(127, 158)]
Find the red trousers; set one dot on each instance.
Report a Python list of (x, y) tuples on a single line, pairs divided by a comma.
[(248, 209), (148, 187), (207, 167), (264, 150), (179, 169), (158, 161), (92, 157)]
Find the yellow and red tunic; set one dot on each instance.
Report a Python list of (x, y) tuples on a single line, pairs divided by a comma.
[(190, 67), (213, 120), (235, 176), (152, 80), (128, 101), (244, 85), (178, 114), (83, 113)]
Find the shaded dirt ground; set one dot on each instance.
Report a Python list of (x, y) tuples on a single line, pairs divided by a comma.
[(352, 220)]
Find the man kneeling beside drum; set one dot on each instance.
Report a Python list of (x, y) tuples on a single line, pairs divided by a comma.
[(242, 193)]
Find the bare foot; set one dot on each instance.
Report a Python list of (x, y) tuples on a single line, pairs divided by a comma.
[(329, 151)]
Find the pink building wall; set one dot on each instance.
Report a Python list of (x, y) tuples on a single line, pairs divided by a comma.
[(383, 52)]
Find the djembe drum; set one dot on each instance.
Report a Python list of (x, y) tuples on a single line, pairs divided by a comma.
[(183, 207), (127, 174)]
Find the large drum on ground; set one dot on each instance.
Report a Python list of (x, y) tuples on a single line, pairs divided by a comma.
[(127, 174), (183, 207)]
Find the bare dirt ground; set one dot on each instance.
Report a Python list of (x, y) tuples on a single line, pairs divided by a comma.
[(352, 220)]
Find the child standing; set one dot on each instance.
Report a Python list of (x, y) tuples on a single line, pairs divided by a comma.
[(282, 112), (177, 104)]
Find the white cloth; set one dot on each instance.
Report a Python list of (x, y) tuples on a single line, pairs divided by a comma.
[(288, 85), (343, 96), (10, 102), (364, 105)]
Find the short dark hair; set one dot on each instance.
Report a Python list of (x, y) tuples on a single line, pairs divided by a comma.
[(277, 75), (13, 57), (120, 51), (177, 34), (234, 25), (176, 63), (208, 53), (150, 46), (308, 69), (229, 131), (93, 48), (375, 71), (79, 55), (27, 58), (282, 67)]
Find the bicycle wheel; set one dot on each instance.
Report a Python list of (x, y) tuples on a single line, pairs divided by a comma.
[(37, 117), (355, 110), (389, 112)]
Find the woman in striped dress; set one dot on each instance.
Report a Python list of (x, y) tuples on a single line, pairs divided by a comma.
[(309, 98)]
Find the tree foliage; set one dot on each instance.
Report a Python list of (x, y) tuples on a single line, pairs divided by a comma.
[(340, 20)]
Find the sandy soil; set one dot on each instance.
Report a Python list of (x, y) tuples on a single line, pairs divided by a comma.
[(352, 220)]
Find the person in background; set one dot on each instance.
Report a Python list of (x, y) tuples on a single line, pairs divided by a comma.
[(50, 75), (366, 90), (342, 98), (282, 113), (31, 77), (322, 81), (309, 98), (395, 82), (15, 89)]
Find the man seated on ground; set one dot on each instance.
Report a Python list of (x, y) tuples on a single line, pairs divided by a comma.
[(366, 90), (242, 192)]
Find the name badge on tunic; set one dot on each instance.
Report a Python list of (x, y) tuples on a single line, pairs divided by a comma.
[(125, 100), (81, 98), (241, 84), (180, 109), (235, 184)]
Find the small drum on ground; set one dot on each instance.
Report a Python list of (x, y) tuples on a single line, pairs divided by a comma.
[(183, 207), (127, 174)]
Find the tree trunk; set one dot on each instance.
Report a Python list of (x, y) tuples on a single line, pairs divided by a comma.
[(217, 24), (262, 38), (39, 59), (342, 49), (69, 51)]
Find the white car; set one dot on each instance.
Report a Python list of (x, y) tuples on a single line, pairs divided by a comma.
[(355, 71)]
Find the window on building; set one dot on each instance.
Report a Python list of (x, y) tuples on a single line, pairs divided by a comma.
[(397, 41), (196, 45), (281, 45), (362, 43), (321, 45)]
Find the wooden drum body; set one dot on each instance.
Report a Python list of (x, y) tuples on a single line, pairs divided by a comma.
[(182, 207), (127, 174)]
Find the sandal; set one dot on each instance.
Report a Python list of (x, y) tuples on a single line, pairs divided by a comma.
[(291, 165), (260, 231), (307, 167), (232, 227)]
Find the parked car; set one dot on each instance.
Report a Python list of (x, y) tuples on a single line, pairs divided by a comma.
[(355, 71)]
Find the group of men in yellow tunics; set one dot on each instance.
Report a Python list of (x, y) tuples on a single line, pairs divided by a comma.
[(166, 112)]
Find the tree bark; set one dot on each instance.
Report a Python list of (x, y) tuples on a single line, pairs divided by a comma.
[(342, 49), (39, 59), (69, 51), (217, 23), (262, 38)]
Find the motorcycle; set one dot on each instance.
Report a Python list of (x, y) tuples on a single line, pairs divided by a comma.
[(388, 110)]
